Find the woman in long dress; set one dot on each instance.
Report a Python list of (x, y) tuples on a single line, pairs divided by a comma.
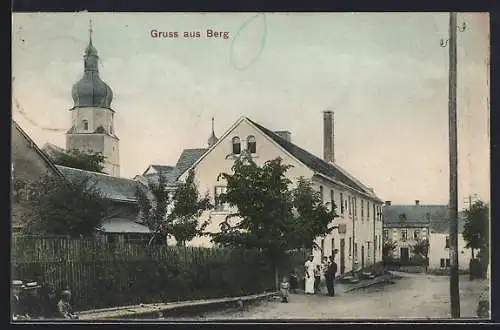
[(309, 275)]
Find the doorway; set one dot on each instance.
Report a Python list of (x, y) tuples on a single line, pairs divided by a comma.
[(405, 255), (342, 256), (362, 256)]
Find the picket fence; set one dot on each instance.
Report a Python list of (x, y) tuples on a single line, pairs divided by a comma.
[(102, 275)]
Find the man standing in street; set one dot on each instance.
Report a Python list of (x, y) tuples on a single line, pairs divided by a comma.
[(330, 277)]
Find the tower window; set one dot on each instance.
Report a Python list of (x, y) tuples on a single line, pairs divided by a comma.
[(236, 145), (251, 144), (85, 124)]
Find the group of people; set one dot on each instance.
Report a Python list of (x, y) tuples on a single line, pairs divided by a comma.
[(317, 276), (39, 301)]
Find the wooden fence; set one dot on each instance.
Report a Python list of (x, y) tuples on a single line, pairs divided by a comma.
[(104, 275)]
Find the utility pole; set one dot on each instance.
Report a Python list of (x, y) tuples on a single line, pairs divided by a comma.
[(453, 146)]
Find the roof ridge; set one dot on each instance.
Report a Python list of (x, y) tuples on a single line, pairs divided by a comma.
[(361, 187), (97, 173)]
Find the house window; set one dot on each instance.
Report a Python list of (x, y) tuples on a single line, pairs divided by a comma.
[(251, 144), (85, 124), (444, 262), (321, 193), (332, 199), (350, 246), (447, 244), (368, 210), (404, 234), (362, 209), (333, 246), (355, 250), (236, 145), (416, 234), (379, 243), (219, 205), (386, 234), (341, 203), (349, 204), (354, 206), (375, 243), (322, 248)]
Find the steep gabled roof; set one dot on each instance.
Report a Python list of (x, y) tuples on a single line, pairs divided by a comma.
[(315, 163), (187, 158), (159, 168), (114, 188), (39, 151), (436, 217)]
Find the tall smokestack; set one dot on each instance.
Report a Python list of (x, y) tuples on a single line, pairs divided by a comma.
[(328, 136)]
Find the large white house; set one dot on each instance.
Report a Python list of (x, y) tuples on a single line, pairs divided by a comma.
[(359, 236)]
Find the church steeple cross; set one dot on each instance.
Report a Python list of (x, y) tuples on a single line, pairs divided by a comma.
[(90, 30)]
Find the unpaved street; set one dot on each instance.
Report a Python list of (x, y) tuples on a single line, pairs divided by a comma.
[(414, 296)]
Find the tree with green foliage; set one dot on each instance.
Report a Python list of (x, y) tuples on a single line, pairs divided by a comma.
[(183, 222), (421, 248), (269, 215), (477, 230), (88, 161), (60, 207), (153, 211), (388, 248), (313, 218)]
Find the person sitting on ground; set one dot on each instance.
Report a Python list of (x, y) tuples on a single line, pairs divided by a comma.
[(48, 297), (64, 306), (284, 290), (317, 278), (31, 303), (16, 300)]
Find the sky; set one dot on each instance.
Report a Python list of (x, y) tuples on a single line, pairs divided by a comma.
[(384, 75)]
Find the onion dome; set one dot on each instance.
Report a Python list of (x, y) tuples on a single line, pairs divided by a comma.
[(212, 139), (90, 90)]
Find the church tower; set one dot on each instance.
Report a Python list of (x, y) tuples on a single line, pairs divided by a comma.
[(92, 119)]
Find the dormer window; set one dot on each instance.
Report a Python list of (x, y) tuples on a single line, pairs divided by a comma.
[(251, 144), (236, 145), (85, 125)]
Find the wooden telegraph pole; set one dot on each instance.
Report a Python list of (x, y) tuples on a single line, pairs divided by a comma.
[(452, 112)]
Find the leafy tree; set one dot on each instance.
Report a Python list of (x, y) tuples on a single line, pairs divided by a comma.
[(183, 221), (269, 216), (476, 230), (59, 207), (388, 248), (421, 248), (93, 162), (308, 205), (153, 212)]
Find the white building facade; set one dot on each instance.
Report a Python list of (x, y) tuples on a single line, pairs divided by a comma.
[(359, 236), (439, 252)]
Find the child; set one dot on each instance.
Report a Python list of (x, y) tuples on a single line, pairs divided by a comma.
[(317, 278), (284, 290), (64, 306)]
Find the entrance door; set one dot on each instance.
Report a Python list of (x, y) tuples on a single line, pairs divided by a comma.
[(342, 256), (362, 256), (405, 255)]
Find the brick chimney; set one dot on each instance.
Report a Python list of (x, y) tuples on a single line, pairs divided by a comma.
[(284, 135), (328, 136)]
